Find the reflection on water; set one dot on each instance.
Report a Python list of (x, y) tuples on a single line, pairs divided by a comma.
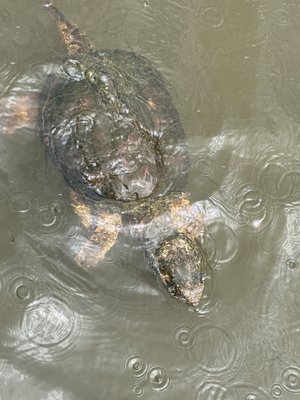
[(110, 332)]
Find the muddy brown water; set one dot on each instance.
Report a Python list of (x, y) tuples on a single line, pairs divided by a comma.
[(232, 68)]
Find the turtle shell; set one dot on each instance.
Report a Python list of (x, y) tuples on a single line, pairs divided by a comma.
[(109, 125)]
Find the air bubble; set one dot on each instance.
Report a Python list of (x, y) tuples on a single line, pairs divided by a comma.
[(185, 337), (251, 396), (138, 391), (46, 217), (23, 292), (136, 366), (276, 390), (158, 379), (291, 379), (291, 263)]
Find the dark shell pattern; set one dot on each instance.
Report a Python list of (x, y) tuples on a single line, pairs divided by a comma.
[(109, 125)]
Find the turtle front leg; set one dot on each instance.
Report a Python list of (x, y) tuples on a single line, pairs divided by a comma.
[(103, 229), (18, 112)]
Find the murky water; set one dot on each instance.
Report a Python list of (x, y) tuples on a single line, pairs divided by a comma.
[(111, 332)]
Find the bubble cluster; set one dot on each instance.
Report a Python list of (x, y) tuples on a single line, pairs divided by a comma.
[(156, 378)]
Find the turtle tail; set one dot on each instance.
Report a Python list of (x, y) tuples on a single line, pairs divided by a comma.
[(74, 41)]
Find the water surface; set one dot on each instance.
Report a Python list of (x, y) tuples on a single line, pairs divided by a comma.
[(111, 333)]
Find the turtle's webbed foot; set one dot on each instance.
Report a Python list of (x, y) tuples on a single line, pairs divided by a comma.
[(103, 229), (87, 254)]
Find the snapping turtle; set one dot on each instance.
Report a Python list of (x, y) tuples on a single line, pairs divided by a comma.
[(109, 125)]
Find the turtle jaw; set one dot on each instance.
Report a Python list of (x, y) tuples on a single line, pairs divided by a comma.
[(192, 295)]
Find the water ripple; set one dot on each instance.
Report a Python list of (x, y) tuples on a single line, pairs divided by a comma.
[(50, 330), (18, 287), (253, 211), (210, 390), (49, 220), (281, 298), (283, 59), (281, 17), (8, 76), (276, 390), (271, 342), (210, 351), (224, 242), (213, 390), (185, 337), (213, 17), (279, 178), (241, 390), (138, 390), (291, 379), (136, 366), (21, 202)]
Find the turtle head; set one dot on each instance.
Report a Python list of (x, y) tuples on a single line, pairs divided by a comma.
[(180, 264)]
